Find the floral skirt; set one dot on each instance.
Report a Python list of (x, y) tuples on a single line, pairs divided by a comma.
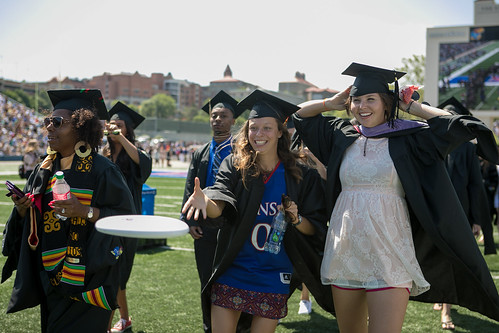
[(266, 305)]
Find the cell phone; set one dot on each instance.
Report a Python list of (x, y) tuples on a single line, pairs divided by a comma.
[(13, 189)]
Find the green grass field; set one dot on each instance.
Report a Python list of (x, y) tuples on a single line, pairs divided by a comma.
[(163, 292)]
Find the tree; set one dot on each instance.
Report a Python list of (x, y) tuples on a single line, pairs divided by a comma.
[(44, 102), (131, 106), (25, 98), (414, 67), (201, 117), (190, 112), (159, 106), (20, 96)]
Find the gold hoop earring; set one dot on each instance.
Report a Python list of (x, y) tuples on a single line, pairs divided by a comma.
[(50, 151), (79, 152)]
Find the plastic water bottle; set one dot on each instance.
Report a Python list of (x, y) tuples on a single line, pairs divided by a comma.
[(277, 230), (61, 190)]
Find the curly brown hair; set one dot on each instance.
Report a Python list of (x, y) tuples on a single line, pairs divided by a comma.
[(245, 157), (88, 127)]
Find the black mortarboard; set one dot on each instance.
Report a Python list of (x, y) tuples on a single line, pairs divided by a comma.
[(452, 104), (369, 79), (263, 104), (224, 100), (74, 99), (122, 112)]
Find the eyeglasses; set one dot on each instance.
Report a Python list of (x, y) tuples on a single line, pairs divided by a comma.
[(55, 121)]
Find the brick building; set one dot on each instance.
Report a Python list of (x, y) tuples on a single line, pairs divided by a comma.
[(128, 88), (65, 83), (185, 93), (297, 87), (319, 93), (136, 88)]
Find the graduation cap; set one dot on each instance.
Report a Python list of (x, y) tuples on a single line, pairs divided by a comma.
[(222, 100), (369, 79), (74, 99), (456, 107), (263, 104), (122, 112)]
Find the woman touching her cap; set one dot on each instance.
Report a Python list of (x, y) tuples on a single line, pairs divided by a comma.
[(391, 204)]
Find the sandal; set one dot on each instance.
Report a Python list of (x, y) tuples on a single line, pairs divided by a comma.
[(448, 325), (437, 306)]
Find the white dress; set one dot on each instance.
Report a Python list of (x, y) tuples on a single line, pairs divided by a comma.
[(369, 243)]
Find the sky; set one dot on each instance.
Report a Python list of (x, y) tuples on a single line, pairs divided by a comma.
[(263, 41)]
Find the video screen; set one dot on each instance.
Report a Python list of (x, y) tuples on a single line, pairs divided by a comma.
[(470, 71)]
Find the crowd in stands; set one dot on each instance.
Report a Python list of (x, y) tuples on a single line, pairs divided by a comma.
[(19, 125), (455, 50), (163, 152), (455, 56)]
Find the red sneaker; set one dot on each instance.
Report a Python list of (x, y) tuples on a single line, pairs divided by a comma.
[(122, 325)]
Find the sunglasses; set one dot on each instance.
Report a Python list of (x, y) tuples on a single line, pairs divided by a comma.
[(55, 121)]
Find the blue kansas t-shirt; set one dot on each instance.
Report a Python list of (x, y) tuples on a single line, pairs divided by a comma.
[(254, 268)]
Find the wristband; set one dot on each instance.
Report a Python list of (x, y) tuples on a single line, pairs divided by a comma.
[(408, 108), (299, 221)]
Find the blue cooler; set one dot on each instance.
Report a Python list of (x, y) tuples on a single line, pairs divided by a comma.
[(148, 194)]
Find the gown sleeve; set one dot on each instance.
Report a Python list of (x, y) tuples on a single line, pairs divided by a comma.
[(455, 130), (478, 209), (13, 235), (306, 251), (111, 194), (144, 166), (311, 201)]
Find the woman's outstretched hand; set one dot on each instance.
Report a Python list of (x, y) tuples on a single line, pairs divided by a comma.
[(196, 203)]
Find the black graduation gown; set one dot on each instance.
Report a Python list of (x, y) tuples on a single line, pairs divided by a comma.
[(135, 178), (490, 179), (463, 167), (242, 205), (63, 307), (204, 248), (445, 247), (139, 173), (197, 168)]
